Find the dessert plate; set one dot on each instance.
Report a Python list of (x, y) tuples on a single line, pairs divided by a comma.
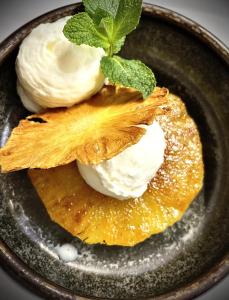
[(188, 257)]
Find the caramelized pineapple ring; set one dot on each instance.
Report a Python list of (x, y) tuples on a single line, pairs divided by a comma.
[(96, 218)]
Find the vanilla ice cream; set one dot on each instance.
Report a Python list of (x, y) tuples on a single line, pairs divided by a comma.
[(53, 72), (127, 174)]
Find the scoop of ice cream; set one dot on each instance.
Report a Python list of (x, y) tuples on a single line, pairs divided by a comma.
[(127, 175), (53, 72)]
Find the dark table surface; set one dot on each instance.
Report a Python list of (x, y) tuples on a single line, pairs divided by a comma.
[(212, 14)]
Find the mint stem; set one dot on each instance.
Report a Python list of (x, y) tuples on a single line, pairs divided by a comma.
[(110, 50)]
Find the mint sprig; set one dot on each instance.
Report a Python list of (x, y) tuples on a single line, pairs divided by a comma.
[(105, 24)]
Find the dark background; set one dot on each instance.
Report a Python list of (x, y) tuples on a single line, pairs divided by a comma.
[(212, 14)]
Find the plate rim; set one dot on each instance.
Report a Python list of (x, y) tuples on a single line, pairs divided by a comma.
[(43, 287)]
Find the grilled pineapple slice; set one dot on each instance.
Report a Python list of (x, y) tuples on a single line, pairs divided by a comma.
[(96, 218), (90, 132)]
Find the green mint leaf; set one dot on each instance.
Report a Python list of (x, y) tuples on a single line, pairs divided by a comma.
[(129, 73), (106, 27), (98, 9), (99, 15), (80, 29), (127, 17)]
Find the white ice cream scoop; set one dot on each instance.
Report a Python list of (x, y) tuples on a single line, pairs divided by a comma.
[(53, 72), (127, 174)]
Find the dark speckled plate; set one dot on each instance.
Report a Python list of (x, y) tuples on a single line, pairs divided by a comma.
[(187, 258)]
